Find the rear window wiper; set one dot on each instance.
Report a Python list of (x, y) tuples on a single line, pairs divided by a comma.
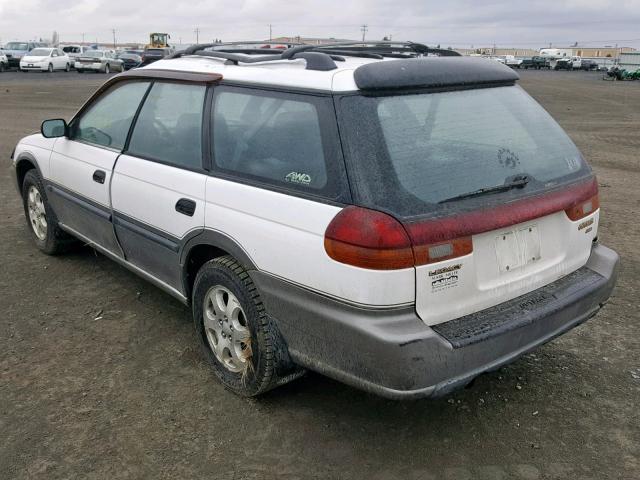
[(517, 181)]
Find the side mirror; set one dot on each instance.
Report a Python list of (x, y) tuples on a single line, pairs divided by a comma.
[(54, 128)]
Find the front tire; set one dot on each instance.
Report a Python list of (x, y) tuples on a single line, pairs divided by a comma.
[(107, 69), (50, 68), (41, 219), (239, 340), (67, 68)]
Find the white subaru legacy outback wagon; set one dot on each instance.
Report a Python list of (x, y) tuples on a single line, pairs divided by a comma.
[(400, 224)]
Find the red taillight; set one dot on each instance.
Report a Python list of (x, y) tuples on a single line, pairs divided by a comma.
[(584, 208), (371, 239), (368, 239)]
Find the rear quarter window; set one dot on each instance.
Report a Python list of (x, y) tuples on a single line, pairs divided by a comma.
[(281, 139)]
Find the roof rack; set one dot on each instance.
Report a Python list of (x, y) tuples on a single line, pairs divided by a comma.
[(318, 57), (378, 49)]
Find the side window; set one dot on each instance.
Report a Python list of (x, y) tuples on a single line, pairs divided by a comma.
[(169, 128), (107, 121), (276, 138)]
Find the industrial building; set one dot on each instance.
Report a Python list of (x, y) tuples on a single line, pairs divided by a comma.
[(629, 60)]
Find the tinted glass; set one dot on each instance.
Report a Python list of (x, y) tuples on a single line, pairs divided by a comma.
[(39, 52), (440, 145), (107, 121), (270, 138), (169, 128), (16, 46)]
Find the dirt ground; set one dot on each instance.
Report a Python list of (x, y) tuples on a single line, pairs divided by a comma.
[(101, 377)]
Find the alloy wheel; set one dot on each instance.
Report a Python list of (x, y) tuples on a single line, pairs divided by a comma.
[(225, 325), (37, 213)]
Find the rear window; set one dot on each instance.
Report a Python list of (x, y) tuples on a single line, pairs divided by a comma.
[(414, 151)]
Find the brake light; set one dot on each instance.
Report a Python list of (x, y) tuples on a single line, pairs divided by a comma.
[(371, 239), (368, 239), (583, 209)]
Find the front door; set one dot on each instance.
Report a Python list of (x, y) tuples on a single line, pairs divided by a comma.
[(82, 164)]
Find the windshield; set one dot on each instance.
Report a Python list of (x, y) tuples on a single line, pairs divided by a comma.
[(436, 146), (40, 52), (16, 46), (71, 49), (93, 54)]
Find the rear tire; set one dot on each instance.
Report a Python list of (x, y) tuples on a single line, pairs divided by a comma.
[(107, 69), (67, 68), (79, 70), (224, 296), (42, 221)]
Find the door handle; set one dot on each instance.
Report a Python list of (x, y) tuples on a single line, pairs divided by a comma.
[(99, 176), (186, 207)]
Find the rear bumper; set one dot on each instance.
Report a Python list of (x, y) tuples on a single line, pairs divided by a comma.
[(88, 66), (394, 354)]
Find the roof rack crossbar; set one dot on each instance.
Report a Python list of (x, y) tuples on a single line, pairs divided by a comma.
[(236, 57), (318, 57), (348, 53)]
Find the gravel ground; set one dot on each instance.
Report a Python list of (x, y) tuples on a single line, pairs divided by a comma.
[(100, 375)]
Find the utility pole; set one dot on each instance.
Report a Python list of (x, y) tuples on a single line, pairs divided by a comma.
[(197, 32), (114, 38), (270, 32), (363, 28), (83, 39)]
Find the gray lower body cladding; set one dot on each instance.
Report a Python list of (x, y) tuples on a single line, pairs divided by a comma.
[(394, 354)]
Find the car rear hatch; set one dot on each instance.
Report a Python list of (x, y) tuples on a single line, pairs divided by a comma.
[(88, 60), (495, 199)]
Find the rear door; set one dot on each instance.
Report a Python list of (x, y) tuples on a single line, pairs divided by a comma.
[(81, 165), (158, 186), (448, 168)]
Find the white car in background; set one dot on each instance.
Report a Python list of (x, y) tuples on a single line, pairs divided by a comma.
[(45, 60), (4, 61), (74, 51), (98, 61)]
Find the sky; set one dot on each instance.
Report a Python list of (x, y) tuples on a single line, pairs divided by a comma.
[(458, 23)]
